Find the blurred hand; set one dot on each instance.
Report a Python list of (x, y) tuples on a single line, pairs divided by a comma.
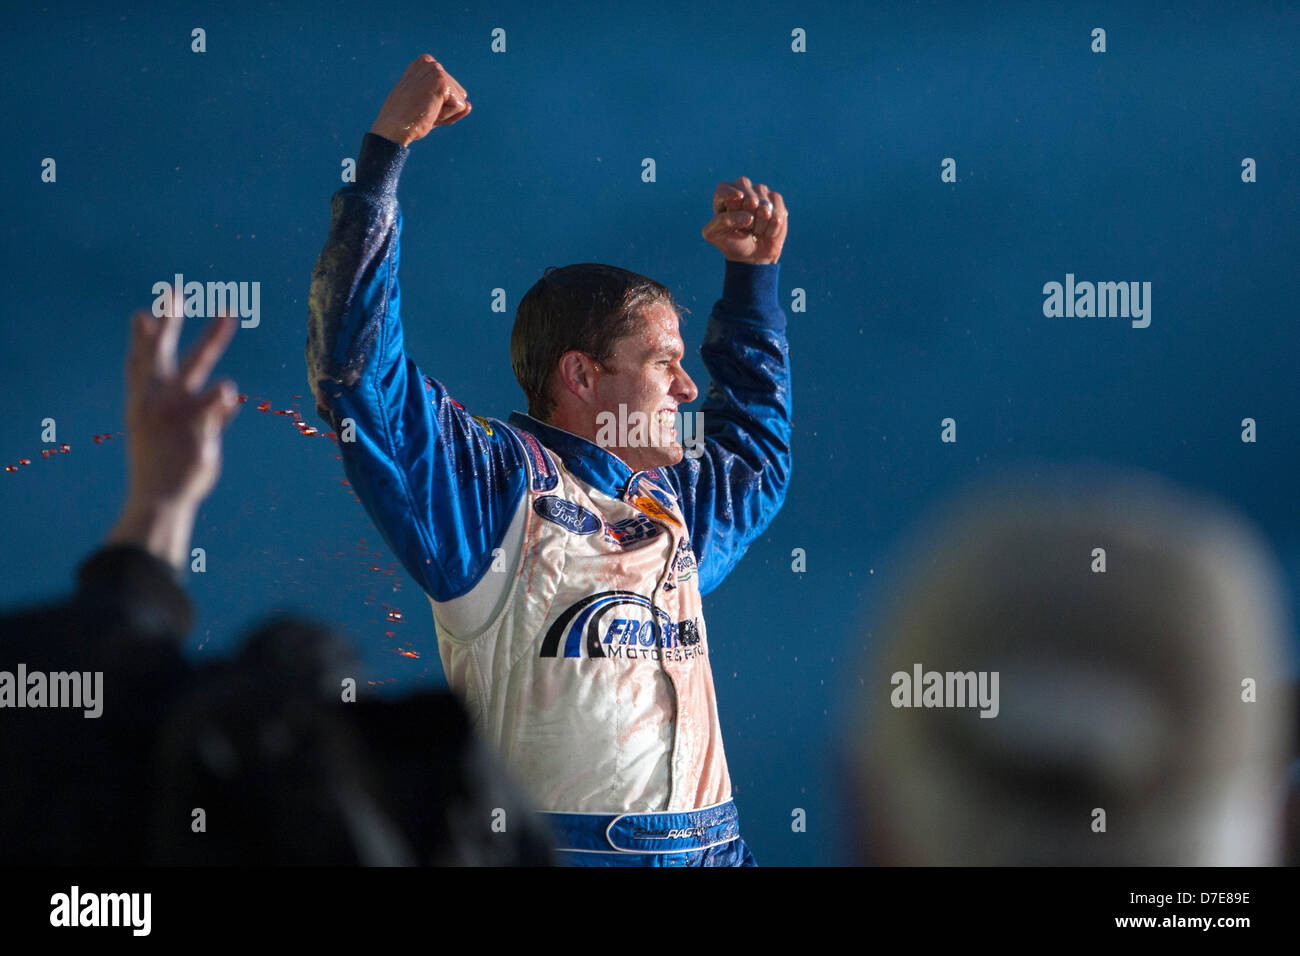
[(173, 431), (744, 227), (173, 423), (426, 96)]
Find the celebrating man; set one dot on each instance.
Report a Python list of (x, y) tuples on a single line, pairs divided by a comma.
[(565, 551)]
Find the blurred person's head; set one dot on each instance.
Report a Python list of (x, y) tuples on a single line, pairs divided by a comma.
[(598, 351), (1136, 715)]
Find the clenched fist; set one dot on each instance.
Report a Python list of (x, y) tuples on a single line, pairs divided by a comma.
[(426, 96), (749, 222)]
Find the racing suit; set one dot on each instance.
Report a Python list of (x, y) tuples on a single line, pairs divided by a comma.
[(565, 588)]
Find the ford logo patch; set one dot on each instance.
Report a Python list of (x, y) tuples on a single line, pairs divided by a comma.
[(567, 514)]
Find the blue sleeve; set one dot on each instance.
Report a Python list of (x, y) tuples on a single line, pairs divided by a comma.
[(731, 492), (441, 485)]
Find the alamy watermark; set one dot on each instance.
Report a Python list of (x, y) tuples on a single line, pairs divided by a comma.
[(75, 908), (946, 689), (1104, 300), (638, 429), (208, 300), (81, 690)]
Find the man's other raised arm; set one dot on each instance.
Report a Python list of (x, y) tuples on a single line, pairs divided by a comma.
[(732, 487), (440, 486)]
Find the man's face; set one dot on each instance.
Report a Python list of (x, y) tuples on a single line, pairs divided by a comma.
[(644, 375)]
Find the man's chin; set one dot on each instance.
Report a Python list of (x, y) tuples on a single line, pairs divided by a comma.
[(669, 451), (659, 456)]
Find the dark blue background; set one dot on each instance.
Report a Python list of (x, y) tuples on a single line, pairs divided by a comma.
[(924, 298)]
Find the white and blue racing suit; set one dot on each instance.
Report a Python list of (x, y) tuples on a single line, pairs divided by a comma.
[(565, 588)]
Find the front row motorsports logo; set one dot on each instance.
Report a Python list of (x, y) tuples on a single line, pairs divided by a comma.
[(659, 638)]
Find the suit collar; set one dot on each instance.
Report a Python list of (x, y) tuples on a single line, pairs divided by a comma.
[(599, 468)]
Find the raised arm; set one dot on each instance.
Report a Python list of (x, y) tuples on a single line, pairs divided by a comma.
[(440, 486), (733, 488)]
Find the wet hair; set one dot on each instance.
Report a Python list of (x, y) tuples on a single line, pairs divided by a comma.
[(587, 308)]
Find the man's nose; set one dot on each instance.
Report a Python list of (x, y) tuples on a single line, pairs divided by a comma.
[(687, 387)]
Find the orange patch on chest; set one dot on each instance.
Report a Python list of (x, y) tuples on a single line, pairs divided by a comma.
[(654, 509)]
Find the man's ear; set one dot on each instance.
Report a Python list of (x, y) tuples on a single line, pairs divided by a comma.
[(576, 373)]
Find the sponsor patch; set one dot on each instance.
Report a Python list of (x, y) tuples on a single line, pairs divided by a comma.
[(544, 476), (654, 509), (631, 530), (684, 561), (568, 515), (663, 497), (611, 624)]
